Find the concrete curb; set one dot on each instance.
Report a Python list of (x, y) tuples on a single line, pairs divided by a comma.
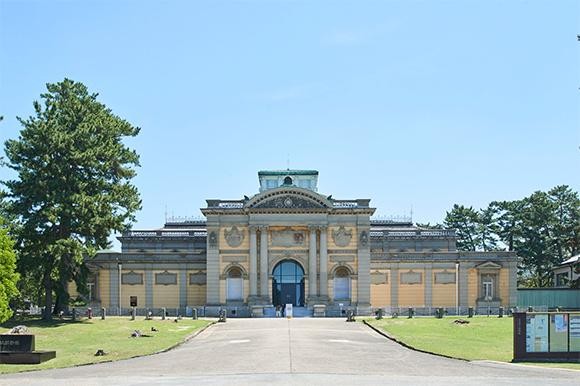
[(380, 332)]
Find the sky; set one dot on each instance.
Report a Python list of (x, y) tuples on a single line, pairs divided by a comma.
[(417, 105)]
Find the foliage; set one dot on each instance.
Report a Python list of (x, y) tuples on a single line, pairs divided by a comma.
[(73, 186), (8, 275), (543, 229)]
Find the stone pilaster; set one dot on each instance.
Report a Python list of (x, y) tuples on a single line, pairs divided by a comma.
[(212, 268), (148, 286), (323, 289), (312, 271), (114, 289), (182, 286), (253, 262), (264, 290), (463, 287), (428, 285), (364, 268), (394, 285)]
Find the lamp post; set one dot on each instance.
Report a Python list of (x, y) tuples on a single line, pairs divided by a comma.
[(120, 266)]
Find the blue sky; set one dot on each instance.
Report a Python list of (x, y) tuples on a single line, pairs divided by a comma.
[(417, 104)]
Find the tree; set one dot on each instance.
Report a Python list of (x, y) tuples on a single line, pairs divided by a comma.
[(73, 186), (8, 275), (465, 221)]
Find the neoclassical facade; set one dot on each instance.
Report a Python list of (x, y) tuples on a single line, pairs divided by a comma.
[(290, 244)]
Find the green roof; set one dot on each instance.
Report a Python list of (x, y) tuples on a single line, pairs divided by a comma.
[(287, 172)]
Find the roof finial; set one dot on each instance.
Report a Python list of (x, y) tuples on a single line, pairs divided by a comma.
[(288, 161)]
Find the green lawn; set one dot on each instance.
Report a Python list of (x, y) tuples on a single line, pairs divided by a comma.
[(76, 342), (482, 339)]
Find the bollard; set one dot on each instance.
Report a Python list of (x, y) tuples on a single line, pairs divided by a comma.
[(500, 312), (350, 316), (163, 313), (133, 312), (194, 313), (90, 313), (74, 314), (411, 312), (470, 312), (103, 313), (222, 316)]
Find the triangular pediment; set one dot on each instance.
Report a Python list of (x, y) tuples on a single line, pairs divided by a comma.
[(488, 265), (288, 198)]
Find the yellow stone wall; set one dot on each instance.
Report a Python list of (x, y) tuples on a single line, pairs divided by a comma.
[(412, 294), (504, 286), (472, 287), (133, 290), (72, 290), (165, 295), (443, 295), (381, 293), (104, 287), (196, 293)]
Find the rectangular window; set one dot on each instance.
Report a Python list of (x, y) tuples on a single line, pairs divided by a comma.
[(562, 279), (488, 288)]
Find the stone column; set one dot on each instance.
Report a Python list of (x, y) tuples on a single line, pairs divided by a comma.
[(312, 272), (428, 285), (364, 270), (264, 290), (213, 266), (253, 262), (323, 291)]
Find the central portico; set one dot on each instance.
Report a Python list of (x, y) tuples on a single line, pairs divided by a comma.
[(288, 244)]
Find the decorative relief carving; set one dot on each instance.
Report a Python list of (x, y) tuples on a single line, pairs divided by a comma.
[(234, 236), (166, 278), (445, 277), (197, 278), (341, 236), (288, 201), (379, 278), (411, 277), (132, 278), (288, 238), (212, 239), (364, 238)]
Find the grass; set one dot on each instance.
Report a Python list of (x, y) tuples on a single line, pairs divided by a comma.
[(482, 339), (76, 342)]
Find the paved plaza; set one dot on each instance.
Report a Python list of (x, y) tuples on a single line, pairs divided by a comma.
[(294, 351)]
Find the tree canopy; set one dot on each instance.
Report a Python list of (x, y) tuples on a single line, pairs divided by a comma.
[(544, 230), (73, 185)]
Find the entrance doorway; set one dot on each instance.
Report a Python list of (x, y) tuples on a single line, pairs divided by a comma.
[(288, 284)]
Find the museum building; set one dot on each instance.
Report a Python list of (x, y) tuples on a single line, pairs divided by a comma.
[(288, 244)]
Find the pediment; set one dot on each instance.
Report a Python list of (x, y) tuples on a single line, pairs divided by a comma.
[(288, 198), (488, 265)]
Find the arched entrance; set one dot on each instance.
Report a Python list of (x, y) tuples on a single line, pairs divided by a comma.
[(288, 284)]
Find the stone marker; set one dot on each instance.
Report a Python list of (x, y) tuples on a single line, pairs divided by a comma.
[(18, 347), (164, 313), (103, 313)]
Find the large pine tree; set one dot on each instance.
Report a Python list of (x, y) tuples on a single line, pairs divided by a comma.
[(73, 185)]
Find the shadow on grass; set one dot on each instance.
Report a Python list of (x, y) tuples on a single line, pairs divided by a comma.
[(39, 322)]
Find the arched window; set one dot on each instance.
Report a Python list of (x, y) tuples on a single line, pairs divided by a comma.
[(342, 284), (288, 180), (234, 284)]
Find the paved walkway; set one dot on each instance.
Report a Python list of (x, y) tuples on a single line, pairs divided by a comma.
[(296, 351)]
